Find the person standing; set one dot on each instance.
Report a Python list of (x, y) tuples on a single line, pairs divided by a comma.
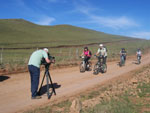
[(34, 69)]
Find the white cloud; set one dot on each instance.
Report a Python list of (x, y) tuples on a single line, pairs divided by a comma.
[(45, 20), (119, 22), (113, 22), (83, 6), (38, 18), (143, 34)]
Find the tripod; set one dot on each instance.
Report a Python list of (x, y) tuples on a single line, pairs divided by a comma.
[(48, 79)]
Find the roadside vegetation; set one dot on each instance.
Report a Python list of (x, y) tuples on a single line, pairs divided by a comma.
[(133, 96)]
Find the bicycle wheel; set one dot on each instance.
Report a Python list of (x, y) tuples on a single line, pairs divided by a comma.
[(139, 59), (82, 67), (96, 69), (122, 62), (89, 68), (104, 70)]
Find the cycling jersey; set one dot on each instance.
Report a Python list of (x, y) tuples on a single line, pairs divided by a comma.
[(139, 53), (102, 52), (87, 53), (123, 53)]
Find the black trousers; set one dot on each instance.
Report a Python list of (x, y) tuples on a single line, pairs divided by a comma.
[(86, 59), (104, 59)]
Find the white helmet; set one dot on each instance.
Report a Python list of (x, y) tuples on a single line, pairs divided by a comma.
[(101, 45)]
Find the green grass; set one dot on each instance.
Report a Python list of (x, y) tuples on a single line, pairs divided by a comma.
[(63, 106), (66, 103), (19, 57), (91, 95), (125, 102), (145, 90), (41, 110), (123, 105), (21, 33)]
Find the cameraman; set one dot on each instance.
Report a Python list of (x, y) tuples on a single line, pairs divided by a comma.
[(34, 69)]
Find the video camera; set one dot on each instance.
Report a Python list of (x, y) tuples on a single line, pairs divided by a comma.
[(51, 58)]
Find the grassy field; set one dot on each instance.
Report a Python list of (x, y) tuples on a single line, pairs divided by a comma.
[(133, 100), (27, 37), (13, 59), (20, 33)]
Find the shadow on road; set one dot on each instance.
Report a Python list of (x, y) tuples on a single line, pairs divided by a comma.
[(135, 62), (3, 77), (44, 88)]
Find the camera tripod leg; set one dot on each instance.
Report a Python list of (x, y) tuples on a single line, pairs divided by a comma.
[(42, 83), (47, 80), (51, 83)]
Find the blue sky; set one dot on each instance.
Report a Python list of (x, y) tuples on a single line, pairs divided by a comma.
[(121, 17)]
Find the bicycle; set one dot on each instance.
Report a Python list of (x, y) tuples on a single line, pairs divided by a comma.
[(99, 66), (122, 61), (85, 66), (138, 59)]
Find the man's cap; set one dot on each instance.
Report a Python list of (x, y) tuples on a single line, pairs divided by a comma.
[(45, 49)]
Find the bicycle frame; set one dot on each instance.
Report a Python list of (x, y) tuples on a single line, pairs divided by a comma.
[(98, 66), (99, 62), (122, 60), (139, 59)]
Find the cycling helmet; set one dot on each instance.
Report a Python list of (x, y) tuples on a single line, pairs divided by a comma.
[(122, 48), (101, 45), (85, 48)]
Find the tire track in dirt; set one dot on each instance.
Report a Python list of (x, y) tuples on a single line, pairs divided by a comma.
[(15, 93)]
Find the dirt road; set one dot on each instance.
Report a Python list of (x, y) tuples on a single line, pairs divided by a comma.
[(15, 93)]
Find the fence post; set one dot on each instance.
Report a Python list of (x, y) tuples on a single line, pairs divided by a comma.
[(60, 51), (77, 53), (2, 56), (60, 54), (70, 53)]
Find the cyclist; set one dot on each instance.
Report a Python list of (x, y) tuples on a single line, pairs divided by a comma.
[(87, 55), (139, 54), (102, 51), (123, 53), (105, 58)]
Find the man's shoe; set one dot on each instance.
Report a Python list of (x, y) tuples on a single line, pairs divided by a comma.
[(36, 97)]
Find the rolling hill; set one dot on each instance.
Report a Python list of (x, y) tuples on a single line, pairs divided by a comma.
[(22, 33)]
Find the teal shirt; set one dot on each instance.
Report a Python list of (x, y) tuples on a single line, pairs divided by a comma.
[(36, 57)]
